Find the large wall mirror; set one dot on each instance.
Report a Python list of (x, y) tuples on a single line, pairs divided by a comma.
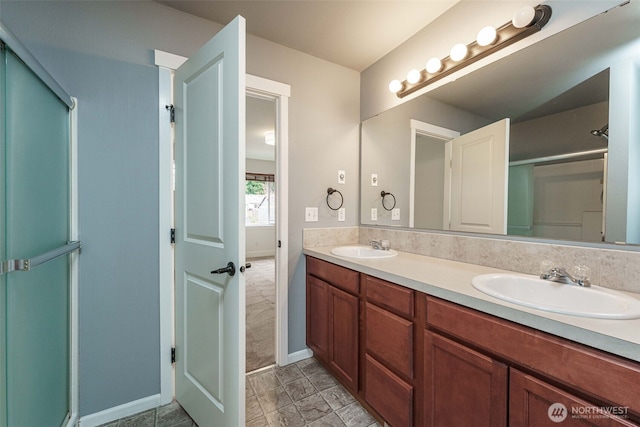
[(570, 105)]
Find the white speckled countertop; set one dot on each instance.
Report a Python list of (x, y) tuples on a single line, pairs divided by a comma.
[(451, 280)]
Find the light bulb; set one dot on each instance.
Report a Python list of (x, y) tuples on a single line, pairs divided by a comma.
[(523, 17), (486, 36), (414, 76), (395, 86), (434, 65), (458, 52)]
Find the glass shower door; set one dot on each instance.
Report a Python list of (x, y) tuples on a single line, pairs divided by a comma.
[(35, 219)]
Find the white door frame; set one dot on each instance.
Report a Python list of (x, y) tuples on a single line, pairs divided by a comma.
[(446, 135), (280, 93)]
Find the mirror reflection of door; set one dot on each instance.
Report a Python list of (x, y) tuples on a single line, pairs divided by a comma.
[(479, 179)]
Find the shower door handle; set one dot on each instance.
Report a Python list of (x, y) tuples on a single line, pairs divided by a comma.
[(28, 264)]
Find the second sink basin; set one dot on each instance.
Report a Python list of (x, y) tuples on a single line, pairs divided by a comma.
[(530, 291), (362, 252)]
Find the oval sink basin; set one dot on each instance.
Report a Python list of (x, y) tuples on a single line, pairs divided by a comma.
[(362, 252), (594, 301)]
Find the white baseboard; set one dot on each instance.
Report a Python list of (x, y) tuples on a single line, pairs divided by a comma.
[(121, 411), (260, 254), (299, 355)]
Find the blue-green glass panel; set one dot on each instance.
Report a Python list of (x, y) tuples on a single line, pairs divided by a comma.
[(36, 221), (3, 343)]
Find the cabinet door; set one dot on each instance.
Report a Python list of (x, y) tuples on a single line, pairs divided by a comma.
[(318, 317), (343, 333), (533, 402), (462, 387)]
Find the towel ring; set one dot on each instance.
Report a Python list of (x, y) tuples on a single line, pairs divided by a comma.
[(330, 191), (385, 194)]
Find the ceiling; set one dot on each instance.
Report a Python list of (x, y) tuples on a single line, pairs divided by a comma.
[(354, 34)]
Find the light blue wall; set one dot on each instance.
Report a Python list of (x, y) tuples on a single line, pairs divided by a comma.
[(102, 53), (95, 52)]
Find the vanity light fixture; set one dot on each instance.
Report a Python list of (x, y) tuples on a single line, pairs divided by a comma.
[(526, 21), (270, 137)]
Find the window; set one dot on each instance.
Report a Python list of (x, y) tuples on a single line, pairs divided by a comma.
[(260, 198)]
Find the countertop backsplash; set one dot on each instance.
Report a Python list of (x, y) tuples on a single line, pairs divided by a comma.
[(610, 268)]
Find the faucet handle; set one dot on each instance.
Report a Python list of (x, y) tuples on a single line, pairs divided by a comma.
[(581, 273), (545, 267)]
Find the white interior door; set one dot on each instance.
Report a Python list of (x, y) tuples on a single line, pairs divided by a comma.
[(479, 173), (210, 154)]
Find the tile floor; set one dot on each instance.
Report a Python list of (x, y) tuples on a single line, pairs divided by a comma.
[(171, 415), (301, 394)]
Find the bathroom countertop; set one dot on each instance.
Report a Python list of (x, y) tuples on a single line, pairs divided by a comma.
[(451, 281)]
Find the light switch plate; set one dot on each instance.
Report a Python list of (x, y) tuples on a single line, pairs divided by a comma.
[(374, 179), (374, 214), (311, 214), (341, 177), (395, 214), (341, 214)]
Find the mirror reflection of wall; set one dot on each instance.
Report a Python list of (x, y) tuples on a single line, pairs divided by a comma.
[(429, 178)]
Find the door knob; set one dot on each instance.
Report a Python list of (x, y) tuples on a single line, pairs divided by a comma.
[(230, 269), (244, 267)]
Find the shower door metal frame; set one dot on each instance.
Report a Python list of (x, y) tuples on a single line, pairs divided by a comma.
[(10, 40)]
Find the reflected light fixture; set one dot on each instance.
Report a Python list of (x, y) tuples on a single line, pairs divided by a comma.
[(526, 21), (270, 137)]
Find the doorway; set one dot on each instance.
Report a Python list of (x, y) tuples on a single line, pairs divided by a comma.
[(279, 93), (260, 224)]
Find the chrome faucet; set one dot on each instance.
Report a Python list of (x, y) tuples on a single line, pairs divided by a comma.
[(560, 275), (380, 244)]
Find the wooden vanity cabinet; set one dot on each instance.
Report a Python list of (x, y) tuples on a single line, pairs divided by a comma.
[(332, 318), (417, 360), (389, 350), (480, 365)]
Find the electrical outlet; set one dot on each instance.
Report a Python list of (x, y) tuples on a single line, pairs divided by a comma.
[(395, 214), (341, 177), (311, 214), (341, 214), (374, 179), (374, 214)]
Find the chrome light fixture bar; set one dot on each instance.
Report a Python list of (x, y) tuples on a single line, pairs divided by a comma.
[(525, 22)]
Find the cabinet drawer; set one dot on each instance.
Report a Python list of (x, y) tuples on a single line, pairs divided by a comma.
[(388, 394), (341, 277), (389, 338), (397, 299)]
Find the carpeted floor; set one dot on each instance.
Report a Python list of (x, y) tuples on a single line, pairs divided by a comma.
[(261, 311)]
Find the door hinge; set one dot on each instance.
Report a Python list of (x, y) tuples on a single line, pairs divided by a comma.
[(173, 235), (173, 355), (279, 244), (172, 112)]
